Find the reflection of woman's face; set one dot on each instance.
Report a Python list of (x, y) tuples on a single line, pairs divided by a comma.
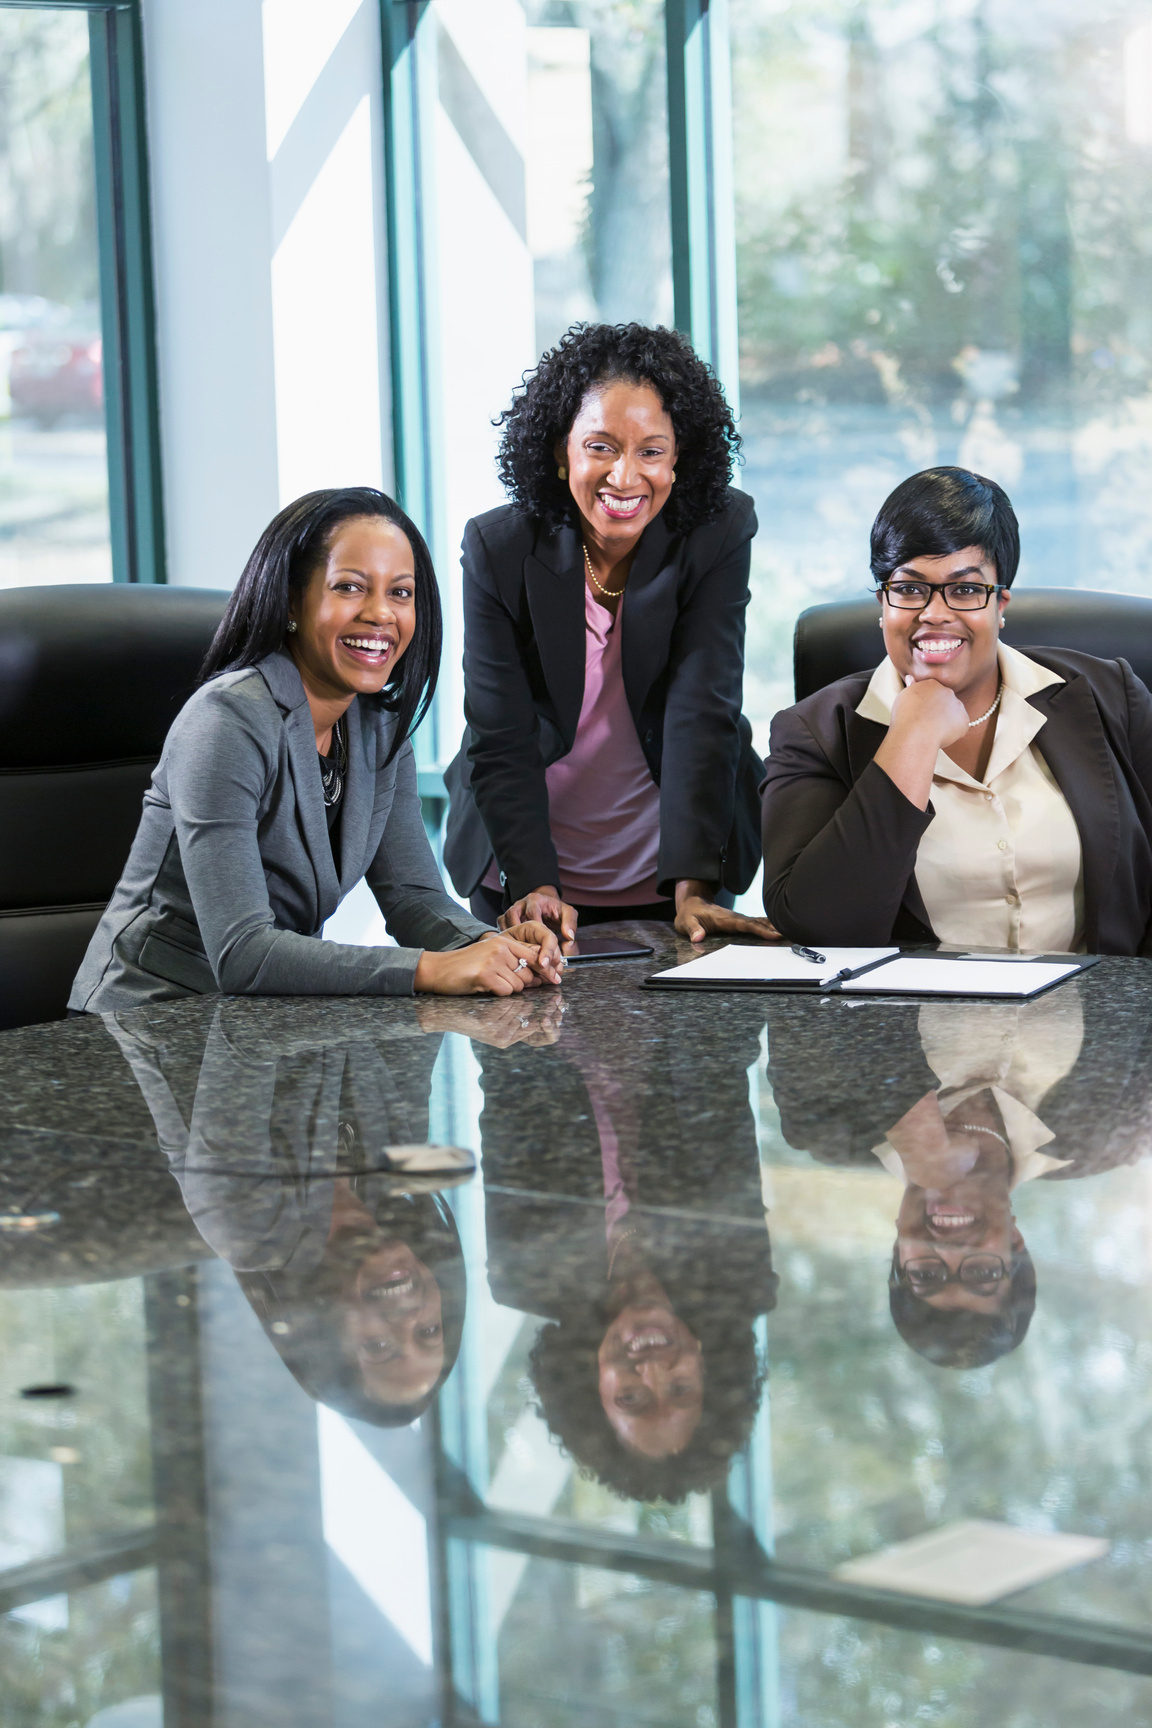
[(651, 1374), (970, 1216), (393, 1322)]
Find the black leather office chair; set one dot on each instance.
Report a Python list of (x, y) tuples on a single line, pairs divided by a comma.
[(90, 680), (833, 640)]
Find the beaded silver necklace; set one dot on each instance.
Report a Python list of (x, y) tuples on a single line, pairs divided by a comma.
[(333, 768)]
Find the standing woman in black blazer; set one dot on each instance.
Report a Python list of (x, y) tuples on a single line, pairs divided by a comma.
[(607, 770)]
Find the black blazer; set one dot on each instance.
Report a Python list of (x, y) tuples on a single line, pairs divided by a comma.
[(683, 662), (695, 1165), (840, 839), (838, 1097)]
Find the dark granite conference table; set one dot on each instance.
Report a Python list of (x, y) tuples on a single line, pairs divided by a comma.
[(636, 1426)]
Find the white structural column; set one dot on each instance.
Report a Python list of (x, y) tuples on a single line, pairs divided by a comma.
[(267, 184), (210, 218), (485, 313)]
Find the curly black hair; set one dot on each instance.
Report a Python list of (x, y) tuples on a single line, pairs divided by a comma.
[(588, 356), (564, 1365)]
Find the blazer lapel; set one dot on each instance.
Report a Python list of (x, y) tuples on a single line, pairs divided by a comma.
[(359, 798), (1073, 744), (863, 738), (649, 605), (554, 584), (282, 678)]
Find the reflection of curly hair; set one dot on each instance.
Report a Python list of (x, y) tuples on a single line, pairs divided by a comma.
[(565, 1371), (589, 355)]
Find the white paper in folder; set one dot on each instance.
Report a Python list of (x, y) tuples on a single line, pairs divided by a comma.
[(738, 964), (927, 977)]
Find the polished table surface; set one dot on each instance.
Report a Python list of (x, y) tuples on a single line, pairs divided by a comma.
[(290, 1439)]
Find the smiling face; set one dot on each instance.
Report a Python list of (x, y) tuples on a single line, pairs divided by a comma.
[(395, 1326), (620, 455), (956, 648), (651, 1377), (356, 614), (970, 1216)]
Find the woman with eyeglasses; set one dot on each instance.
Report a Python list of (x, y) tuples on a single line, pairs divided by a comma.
[(965, 792)]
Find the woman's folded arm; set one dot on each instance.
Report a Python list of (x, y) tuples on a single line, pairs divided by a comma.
[(216, 772), (403, 876), (837, 858)]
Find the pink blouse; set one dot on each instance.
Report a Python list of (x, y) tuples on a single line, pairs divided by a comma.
[(604, 806)]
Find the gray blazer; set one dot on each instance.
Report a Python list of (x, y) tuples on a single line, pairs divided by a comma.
[(231, 875)]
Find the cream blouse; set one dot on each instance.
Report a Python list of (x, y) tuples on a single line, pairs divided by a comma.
[(1001, 863), (1017, 1051)]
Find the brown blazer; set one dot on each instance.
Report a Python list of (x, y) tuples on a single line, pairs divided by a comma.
[(840, 839)]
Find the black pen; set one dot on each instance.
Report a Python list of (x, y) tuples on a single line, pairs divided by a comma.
[(809, 954)]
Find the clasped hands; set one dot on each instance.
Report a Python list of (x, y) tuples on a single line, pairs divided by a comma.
[(697, 915), (516, 957)]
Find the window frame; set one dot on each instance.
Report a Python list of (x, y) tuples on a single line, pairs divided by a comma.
[(127, 294)]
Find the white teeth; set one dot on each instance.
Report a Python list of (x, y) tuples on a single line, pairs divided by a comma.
[(944, 646), (619, 506), (366, 642), (649, 1341)]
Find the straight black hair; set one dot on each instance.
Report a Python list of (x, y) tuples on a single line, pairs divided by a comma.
[(290, 549), (302, 1313), (942, 510)]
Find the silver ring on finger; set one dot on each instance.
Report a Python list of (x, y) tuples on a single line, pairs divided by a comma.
[(520, 965)]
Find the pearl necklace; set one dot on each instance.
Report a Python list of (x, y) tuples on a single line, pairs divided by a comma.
[(990, 712), (610, 593), (975, 1128)]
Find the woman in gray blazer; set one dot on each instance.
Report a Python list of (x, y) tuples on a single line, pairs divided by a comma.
[(288, 776)]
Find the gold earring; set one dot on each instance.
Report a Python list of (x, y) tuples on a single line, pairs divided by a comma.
[(673, 473), (562, 472)]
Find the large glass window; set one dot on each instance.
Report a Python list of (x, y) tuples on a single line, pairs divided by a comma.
[(538, 136), (54, 524), (942, 221)]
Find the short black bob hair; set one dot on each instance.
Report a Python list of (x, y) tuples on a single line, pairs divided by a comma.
[(942, 510), (958, 1337), (591, 355), (290, 549)]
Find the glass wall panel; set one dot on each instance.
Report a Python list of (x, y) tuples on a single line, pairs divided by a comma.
[(68, 1659), (77, 1466), (53, 463), (548, 164), (942, 219)]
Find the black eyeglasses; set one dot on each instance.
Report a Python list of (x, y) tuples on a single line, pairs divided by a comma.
[(927, 1274), (908, 596)]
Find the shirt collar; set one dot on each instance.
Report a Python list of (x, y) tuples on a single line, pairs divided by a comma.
[(1016, 727)]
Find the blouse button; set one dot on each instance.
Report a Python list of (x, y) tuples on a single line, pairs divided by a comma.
[(1003, 845)]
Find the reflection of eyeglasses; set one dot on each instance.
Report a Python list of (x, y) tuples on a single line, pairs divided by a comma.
[(958, 596), (927, 1274)]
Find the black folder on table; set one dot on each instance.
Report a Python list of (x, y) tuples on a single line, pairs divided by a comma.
[(864, 972)]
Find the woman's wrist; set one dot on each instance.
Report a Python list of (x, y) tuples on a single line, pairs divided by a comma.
[(694, 888), (428, 969)]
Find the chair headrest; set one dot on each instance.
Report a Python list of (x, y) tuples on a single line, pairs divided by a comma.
[(97, 672), (840, 638)]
